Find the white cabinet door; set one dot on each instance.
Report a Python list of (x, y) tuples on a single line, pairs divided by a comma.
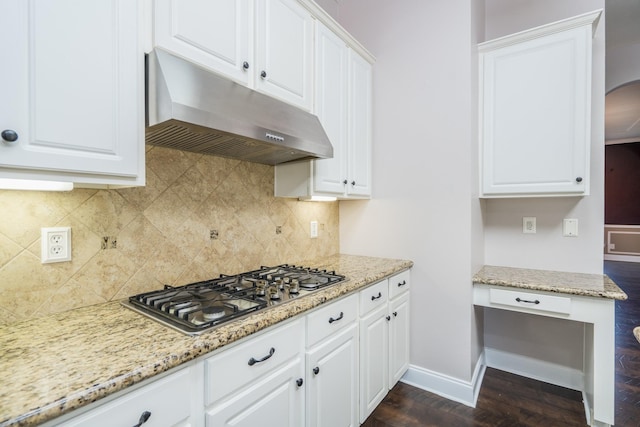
[(215, 34), (398, 338), (331, 109), (284, 46), (332, 381), (74, 89), (374, 361), (274, 400), (535, 112), (359, 179)]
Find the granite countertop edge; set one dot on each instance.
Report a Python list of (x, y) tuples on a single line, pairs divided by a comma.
[(581, 284), (120, 324)]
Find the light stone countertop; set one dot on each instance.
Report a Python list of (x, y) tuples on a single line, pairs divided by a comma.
[(50, 366), (590, 285)]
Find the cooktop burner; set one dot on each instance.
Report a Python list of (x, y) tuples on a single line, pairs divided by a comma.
[(199, 306)]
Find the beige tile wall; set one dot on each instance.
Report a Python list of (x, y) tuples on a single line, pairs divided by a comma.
[(162, 232)]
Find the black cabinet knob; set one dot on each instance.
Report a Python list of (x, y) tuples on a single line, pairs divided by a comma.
[(299, 381), (388, 318), (9, 135), (345, 182), (263, 74), (316, 370), (395, 314), (245, 65), (579, 179), (353, 183)]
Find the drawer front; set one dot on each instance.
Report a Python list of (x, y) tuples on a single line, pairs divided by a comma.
[(531, 301), (168, 400), (238, 366), (326, 321), (399, 284), (374, 296)]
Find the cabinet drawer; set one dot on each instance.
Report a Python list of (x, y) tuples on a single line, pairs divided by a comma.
[(540, 302), (399, 284), (167, 399), (374, 296), (234, 368), (328, 320)]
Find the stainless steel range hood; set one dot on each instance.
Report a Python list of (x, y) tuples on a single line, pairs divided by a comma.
[(192, 109)]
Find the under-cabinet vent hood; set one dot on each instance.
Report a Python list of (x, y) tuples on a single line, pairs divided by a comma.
[(192, 109)]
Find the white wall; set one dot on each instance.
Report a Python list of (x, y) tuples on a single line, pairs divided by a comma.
[(504, 242), (623, 65), (424, 162)]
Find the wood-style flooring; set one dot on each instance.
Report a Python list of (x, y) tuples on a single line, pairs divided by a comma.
[(511, 400)]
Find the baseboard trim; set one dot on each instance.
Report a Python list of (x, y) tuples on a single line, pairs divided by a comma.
[(548, 372), (626, 258), (465, 392)]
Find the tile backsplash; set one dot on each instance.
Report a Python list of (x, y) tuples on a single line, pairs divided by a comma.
[(162, 233)]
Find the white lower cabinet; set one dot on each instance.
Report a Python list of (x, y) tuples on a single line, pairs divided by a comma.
[(166, 402), (332, 365), (259, 382), (384, 339)]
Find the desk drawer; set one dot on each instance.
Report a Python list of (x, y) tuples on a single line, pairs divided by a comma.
[(531, 301)]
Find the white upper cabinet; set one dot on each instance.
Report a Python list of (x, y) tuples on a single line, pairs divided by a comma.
[(343, 80), (535, 110), (284, 51), (73, 86), (219, 35), (214, 34)]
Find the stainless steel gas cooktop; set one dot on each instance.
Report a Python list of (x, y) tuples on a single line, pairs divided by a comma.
[(197, 307)]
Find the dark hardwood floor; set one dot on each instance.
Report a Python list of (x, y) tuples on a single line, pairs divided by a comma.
[(511, 400)]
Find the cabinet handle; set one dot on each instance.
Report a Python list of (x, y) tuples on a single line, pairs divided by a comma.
[(353, 183), (316, 370), (373, 298), (579, 179), (9, 135), (299, 381), (388, 318), (527, 301), (404, 282), (331, 319), (345, 182), (395, 314), (263, 74), (253, 361), (245, 65), (143, 418)]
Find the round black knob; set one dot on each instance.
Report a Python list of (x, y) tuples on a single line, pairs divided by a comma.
[(353, 183), (388, 318), (395, 314), (263, 74), (579, 179), (9, 135), (345, 182), (245, 65), (316, 370), (299, 381)]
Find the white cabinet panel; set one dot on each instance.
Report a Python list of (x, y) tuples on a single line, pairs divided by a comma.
[(535, 103), (398, 338), (284, 37), (215, 34), (168, 401), (374, 360), (332, 380), (76, 88)]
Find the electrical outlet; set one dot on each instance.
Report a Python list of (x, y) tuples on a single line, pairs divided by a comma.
[(529, 224), (313, 229), (55, 244)]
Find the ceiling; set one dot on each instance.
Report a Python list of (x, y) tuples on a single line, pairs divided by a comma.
[(622, 105)]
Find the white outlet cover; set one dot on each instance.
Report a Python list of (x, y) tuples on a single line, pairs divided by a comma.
[(313, 229), (529, 224), (55, 244)]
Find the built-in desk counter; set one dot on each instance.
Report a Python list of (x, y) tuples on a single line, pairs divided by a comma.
[(587, 298)]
